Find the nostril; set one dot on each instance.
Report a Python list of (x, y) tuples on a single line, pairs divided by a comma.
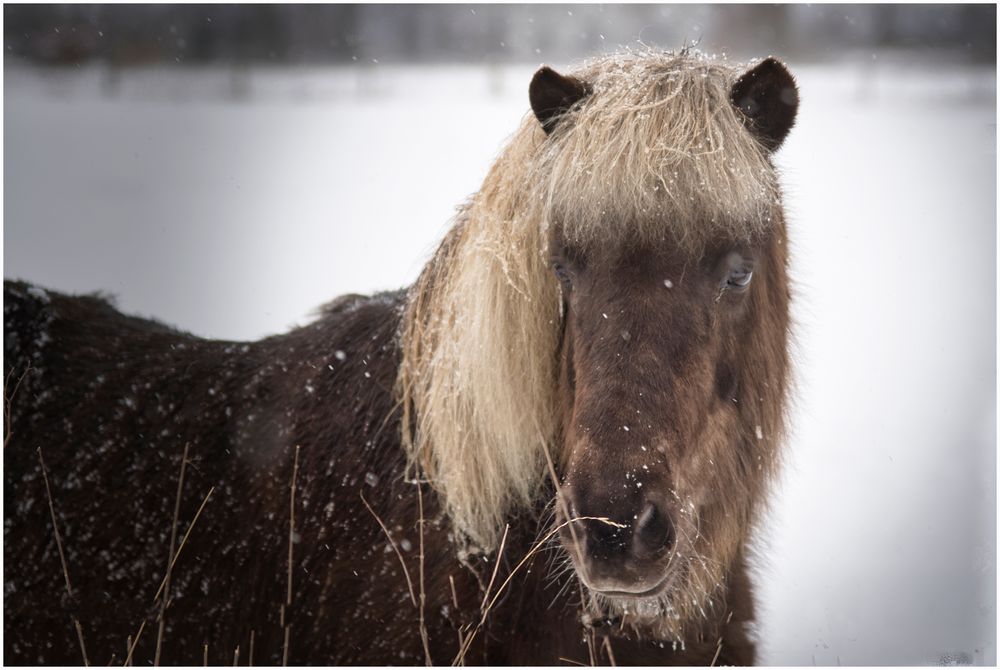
[(605, 540), (653, 530), (648, 512)]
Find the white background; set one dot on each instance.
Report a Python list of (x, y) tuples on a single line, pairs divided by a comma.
[(235, 215)]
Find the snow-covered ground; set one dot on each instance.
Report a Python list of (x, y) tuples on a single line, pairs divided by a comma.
[(232, 203)]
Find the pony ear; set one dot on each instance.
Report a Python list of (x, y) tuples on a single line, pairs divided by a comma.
[(768, 98), (551, 94)]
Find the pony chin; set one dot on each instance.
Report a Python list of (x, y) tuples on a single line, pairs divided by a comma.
[(692, 591), (670, 615)]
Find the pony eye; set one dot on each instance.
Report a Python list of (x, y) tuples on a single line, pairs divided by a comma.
[(739, 278), (737, 272), (561, 273)]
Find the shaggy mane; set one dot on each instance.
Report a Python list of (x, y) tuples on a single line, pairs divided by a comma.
[(656, 153)]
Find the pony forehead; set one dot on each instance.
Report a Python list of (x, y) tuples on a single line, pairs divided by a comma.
[(657, 150)]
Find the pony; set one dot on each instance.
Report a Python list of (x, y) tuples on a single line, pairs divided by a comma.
[(552, 448)]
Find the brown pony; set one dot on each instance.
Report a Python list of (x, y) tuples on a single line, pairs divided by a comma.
[(552, 448)]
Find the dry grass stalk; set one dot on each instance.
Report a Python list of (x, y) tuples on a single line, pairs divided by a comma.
[(611, 654), (423, 596), (718, 650), (590, 647), (284, 653), (531, 552), (62, 556), (250, 655), (496, 567), (586, 598), (454, 595), (461, 645), (236, 656), (560, 500), (204, 655), (170, 556), (454, 601), (197, 515), (7, 400), (132, 643), (291, 541), (406, 572), (184, 541)]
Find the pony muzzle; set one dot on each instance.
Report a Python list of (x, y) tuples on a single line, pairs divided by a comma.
[(621, 555)]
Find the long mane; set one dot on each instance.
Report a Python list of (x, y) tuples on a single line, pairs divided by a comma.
[(656, 152)]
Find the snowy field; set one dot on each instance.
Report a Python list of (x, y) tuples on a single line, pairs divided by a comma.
[(233, 203)]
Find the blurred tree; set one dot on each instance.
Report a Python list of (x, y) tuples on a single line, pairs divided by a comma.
[(128, 34)]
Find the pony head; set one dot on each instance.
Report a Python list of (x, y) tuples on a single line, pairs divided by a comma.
[(610, 312)]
